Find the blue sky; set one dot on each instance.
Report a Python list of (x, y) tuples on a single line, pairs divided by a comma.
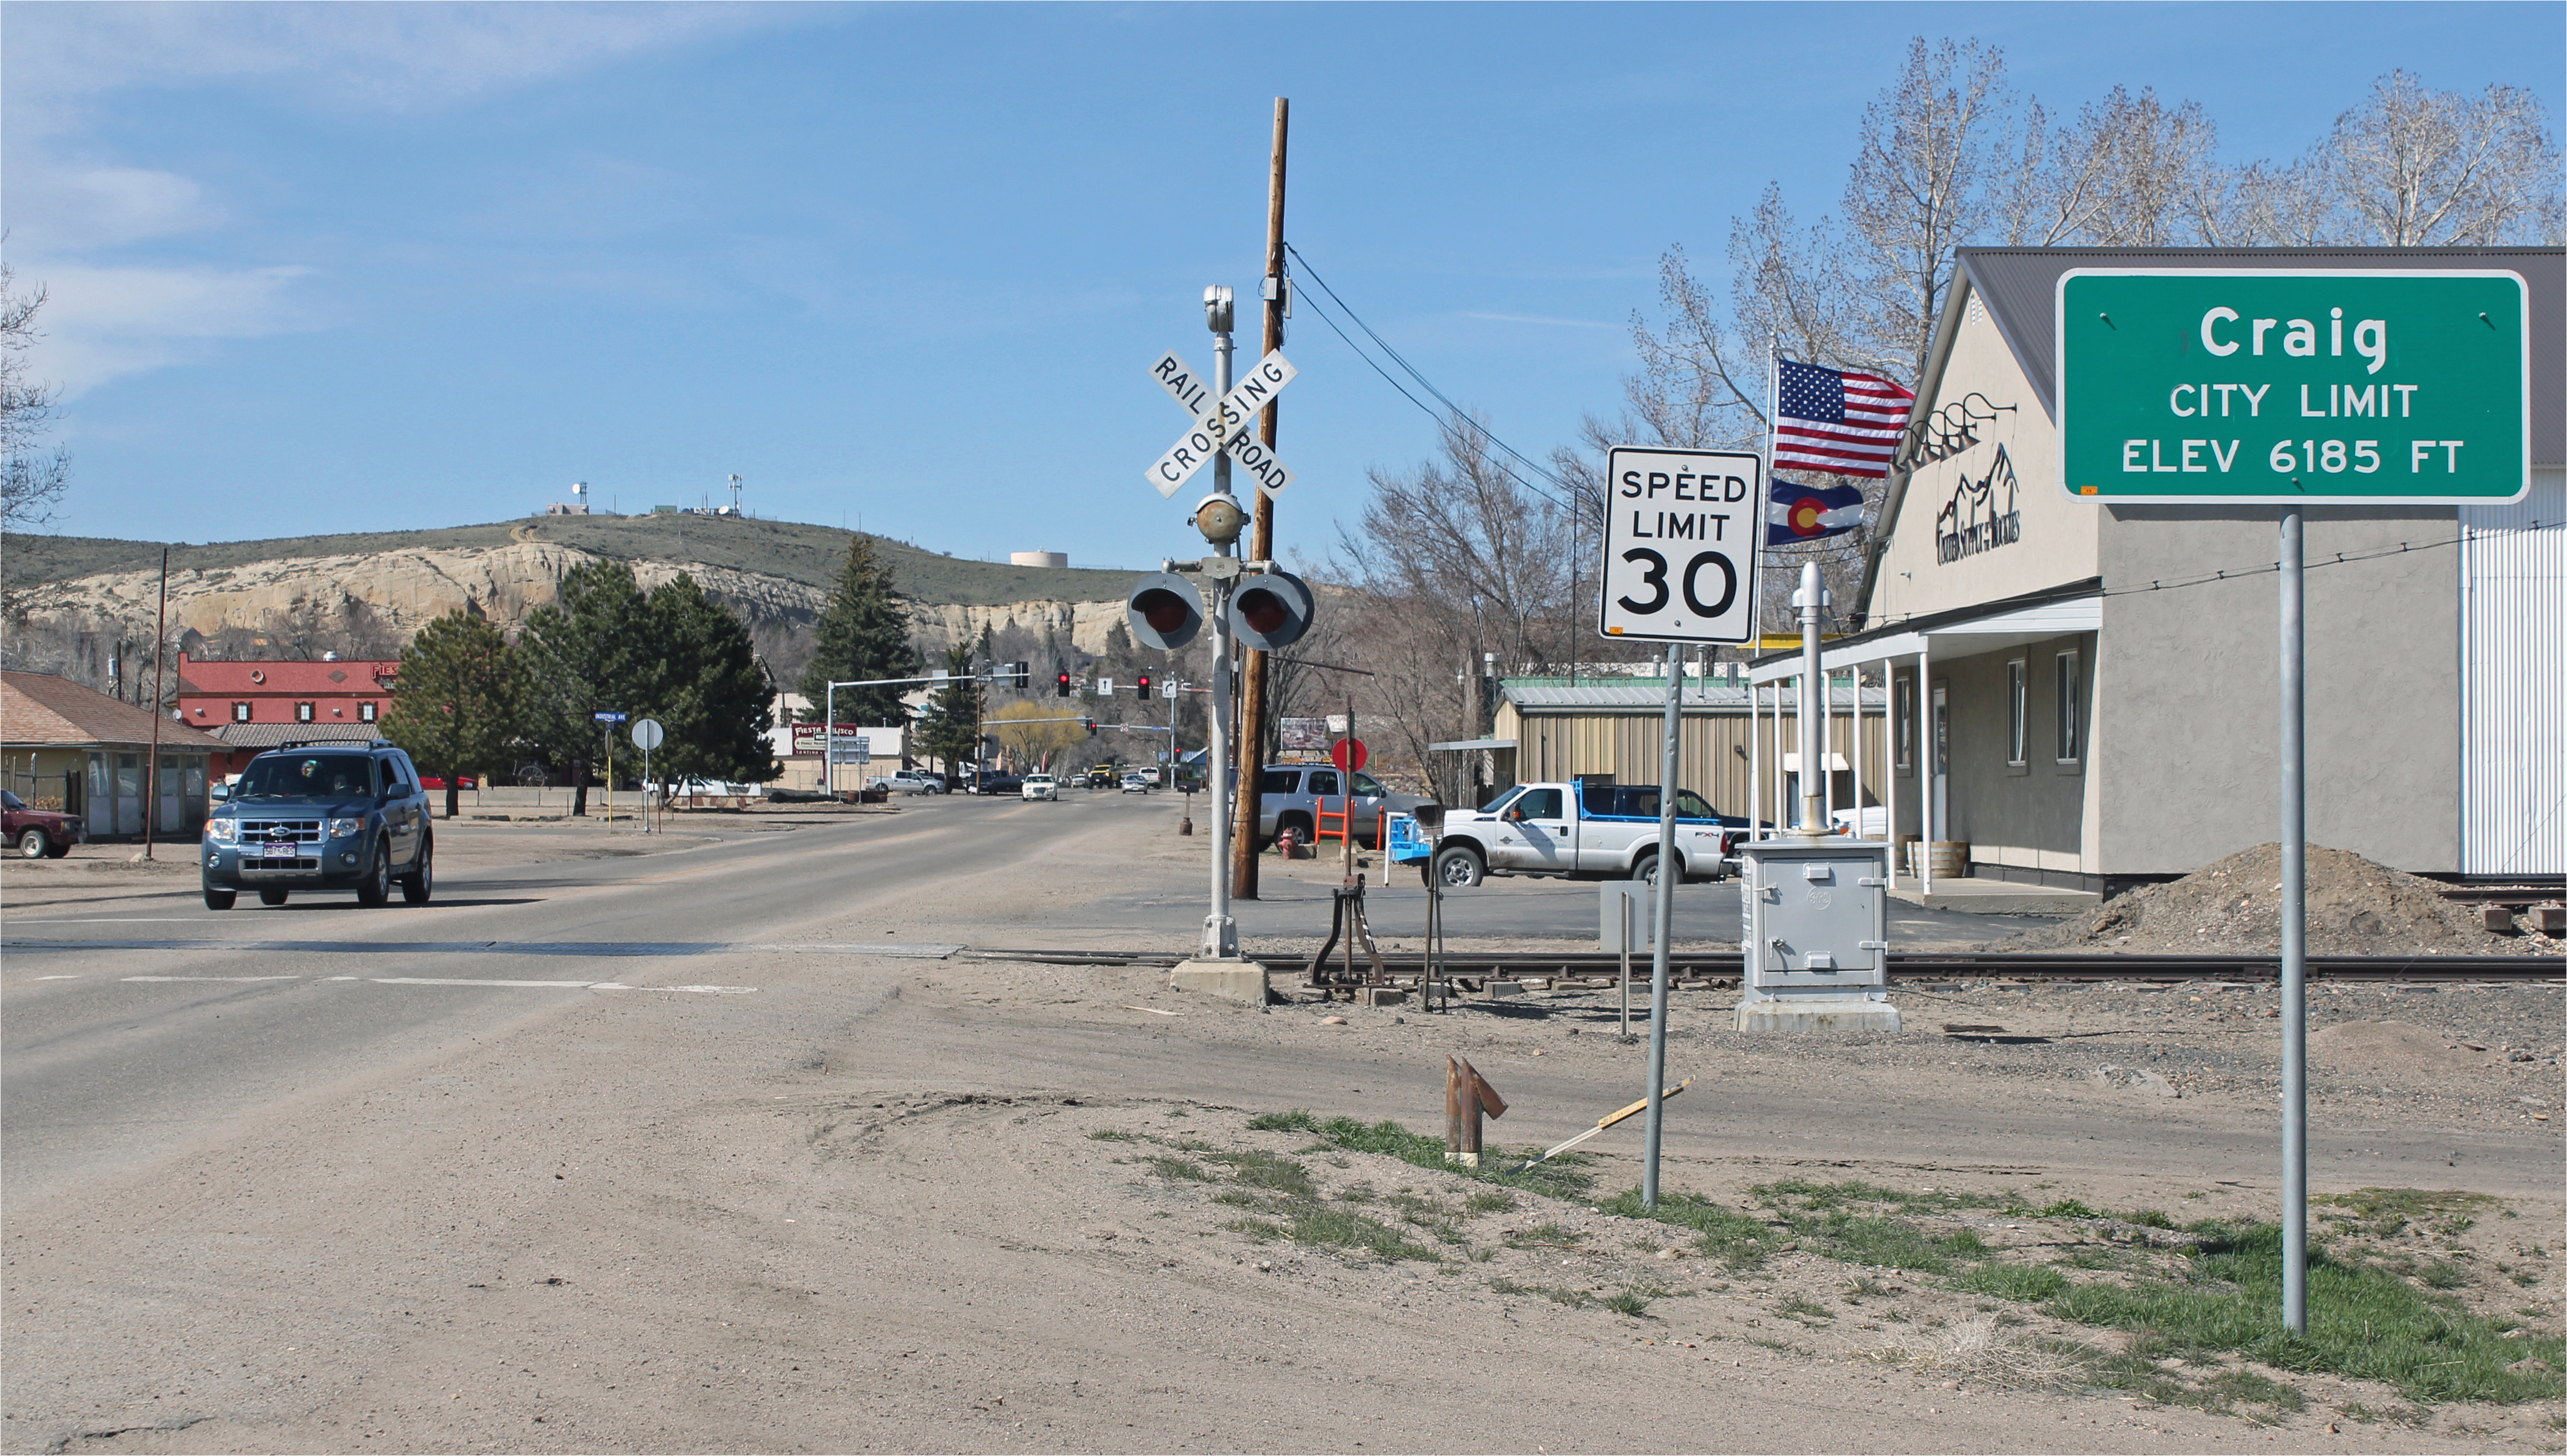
[(374, 267)]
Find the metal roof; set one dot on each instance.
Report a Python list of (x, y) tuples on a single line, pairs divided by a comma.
[(2018, 288), (270, 734), (1648, 697)]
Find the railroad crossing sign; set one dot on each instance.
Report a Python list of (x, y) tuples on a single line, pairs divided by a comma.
[(1680, 530), (1221, 424)]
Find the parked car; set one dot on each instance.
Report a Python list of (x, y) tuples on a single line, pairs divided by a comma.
[(1104, 775), (1041, 786), (1135, 783), (322, 817), (39, 833), (1288, 795), (909, 781), (436, 784)]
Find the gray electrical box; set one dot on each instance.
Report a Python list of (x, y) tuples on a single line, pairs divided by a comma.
[(1815, 933)]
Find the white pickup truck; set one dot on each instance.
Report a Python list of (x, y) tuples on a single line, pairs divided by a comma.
[(1590, 828)]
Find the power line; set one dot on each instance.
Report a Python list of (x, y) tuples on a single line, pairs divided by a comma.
[(1450, 410)]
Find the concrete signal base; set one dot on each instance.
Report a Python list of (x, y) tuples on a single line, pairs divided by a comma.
[(1237, 980), (1815, 1013)]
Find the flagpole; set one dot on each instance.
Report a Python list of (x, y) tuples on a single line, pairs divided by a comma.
[(1765, 523)]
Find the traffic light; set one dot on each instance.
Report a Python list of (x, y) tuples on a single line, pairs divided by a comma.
[(1092, 728), (1271, 609), (1164, 611), (1024, 672), (1144, 685), (1061, 686)]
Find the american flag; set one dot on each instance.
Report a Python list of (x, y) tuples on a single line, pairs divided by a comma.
[(1840, 424)]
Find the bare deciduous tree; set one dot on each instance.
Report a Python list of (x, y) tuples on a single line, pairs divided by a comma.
[(2414, 168), (32, 480)]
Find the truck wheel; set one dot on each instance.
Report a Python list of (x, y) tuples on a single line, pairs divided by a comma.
[(271, 897), (219, 899), (422, 880), (1645, 869), (31, 844), (377, 887), (1459, 868), (57, 851)]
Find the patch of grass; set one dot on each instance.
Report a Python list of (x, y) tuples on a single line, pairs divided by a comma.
[(1261, 1229), (2363, 1322), (1490, 1202), (1268, 1171), (1854, 1191), (2068, 1208), (1107, 1134), (2386, 1212), (1763, 1341), (2149, 1218), (1241, 1198), (2441, 1274), (1803, 1309), (2096, 1259), (1863, 1285), (1573, 1298), (1627, 1302), (1339, 1228), (2526, 1278), (1184, 1169), (1732, 1237), (2026, 1283), (1556, 1234), (1561, 1177)]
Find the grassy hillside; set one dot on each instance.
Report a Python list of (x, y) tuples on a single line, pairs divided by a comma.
[(789, 549)]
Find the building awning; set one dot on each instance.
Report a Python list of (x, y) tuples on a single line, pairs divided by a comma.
[(1470, 745), (2035, 617)]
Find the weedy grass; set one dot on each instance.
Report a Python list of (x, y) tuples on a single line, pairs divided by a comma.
[(1108, 1134), (1561, 1177), (1805, 1311), (1182, 1169), (1734, 1238), (1271, 1172), (1630, 1303), (1557, 1235)]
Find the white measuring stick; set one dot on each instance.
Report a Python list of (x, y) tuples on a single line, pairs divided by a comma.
[(1603, 1123)]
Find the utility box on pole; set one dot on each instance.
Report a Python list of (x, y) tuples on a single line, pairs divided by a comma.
[(1815, 934)]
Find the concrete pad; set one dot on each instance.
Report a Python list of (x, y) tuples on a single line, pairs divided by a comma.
[(1815, 1013), (1381, 995), (1237, 980), (1993, 897)]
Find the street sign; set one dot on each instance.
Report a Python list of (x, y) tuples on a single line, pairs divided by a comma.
[(608, 716), (1105, 686), (1221, 424), (647, 734), (2386, 387), (1347, 753), (1680, 530)]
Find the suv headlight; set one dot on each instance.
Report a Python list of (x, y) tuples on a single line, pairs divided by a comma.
[(222, 831), (347, 828)]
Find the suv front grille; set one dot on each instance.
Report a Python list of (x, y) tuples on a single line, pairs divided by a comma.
[(259, 831)]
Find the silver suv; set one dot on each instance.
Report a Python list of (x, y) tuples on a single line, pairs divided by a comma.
[(1289, 794)]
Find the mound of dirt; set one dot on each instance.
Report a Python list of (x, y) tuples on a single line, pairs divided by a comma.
[(2355, 908), (2390, 1046)]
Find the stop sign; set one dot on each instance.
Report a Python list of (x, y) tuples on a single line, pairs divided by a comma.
[(1347, 753)]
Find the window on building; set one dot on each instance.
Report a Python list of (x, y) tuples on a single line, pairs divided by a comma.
[(240, 713), (303, 712), (2072, 723), (366, 711), (2016, 703)]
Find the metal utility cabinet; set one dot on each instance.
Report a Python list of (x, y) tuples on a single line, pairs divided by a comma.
[(1815, 933)]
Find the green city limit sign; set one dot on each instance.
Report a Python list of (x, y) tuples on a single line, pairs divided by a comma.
[(2381, 388)]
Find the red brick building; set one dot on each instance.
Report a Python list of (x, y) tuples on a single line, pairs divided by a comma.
[(255, 706)]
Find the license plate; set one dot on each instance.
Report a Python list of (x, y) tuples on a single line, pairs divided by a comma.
[(282, 850)]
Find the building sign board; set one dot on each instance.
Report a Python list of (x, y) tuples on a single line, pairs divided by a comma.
[(1680, 532), (2348, 386)]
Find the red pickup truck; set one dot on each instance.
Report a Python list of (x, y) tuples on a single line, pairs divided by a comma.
[(38, 833)]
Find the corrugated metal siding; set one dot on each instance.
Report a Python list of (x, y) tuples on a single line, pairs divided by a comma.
[(1555, 747), (2514, 703)]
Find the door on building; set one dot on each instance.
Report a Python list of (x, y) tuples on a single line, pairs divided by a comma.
[(1941, 798)]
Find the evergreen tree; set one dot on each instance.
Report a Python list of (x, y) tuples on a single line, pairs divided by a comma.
[(455, 707), (592, 652), (862, 633), (707, 689)]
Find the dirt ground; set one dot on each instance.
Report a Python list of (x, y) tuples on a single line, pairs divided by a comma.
[(990, 1205)]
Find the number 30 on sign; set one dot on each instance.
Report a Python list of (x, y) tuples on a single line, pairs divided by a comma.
[(1680, 530)]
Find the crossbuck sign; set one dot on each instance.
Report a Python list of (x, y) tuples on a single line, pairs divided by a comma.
[(1680, 537), (1221, 424)]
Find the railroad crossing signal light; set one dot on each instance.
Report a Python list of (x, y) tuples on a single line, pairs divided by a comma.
[(1271, 609), (1061, 686), (1144, 685), (1164, 611)]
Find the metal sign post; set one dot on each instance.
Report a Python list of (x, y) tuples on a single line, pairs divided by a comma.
[(647, 735), (2295, 959), (606, 722), (1680, 531)]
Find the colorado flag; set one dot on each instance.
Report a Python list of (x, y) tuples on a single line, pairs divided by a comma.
[(1795, 512)]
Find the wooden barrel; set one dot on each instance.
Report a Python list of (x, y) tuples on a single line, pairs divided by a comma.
[(1950, 858)]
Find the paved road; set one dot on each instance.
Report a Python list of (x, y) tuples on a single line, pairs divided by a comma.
[(308, 1177)]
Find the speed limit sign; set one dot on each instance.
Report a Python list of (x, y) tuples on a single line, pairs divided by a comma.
[(1680, 530)]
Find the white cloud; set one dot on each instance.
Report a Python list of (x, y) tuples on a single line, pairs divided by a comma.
[(103, 322), (373, 57), (58, 209)]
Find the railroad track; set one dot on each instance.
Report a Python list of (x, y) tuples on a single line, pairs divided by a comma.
[(1702, 969)]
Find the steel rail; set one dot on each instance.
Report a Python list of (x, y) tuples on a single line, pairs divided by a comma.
[(1698, 968)]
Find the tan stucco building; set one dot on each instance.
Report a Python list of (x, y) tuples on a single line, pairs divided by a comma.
[(2077, 719)]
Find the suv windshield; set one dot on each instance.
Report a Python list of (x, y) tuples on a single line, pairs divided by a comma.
[(308, 776)]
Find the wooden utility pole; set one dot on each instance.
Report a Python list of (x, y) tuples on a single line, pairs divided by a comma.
[(1251, 699)]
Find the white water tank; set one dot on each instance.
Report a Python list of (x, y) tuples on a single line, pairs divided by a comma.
[(1038, 558)]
